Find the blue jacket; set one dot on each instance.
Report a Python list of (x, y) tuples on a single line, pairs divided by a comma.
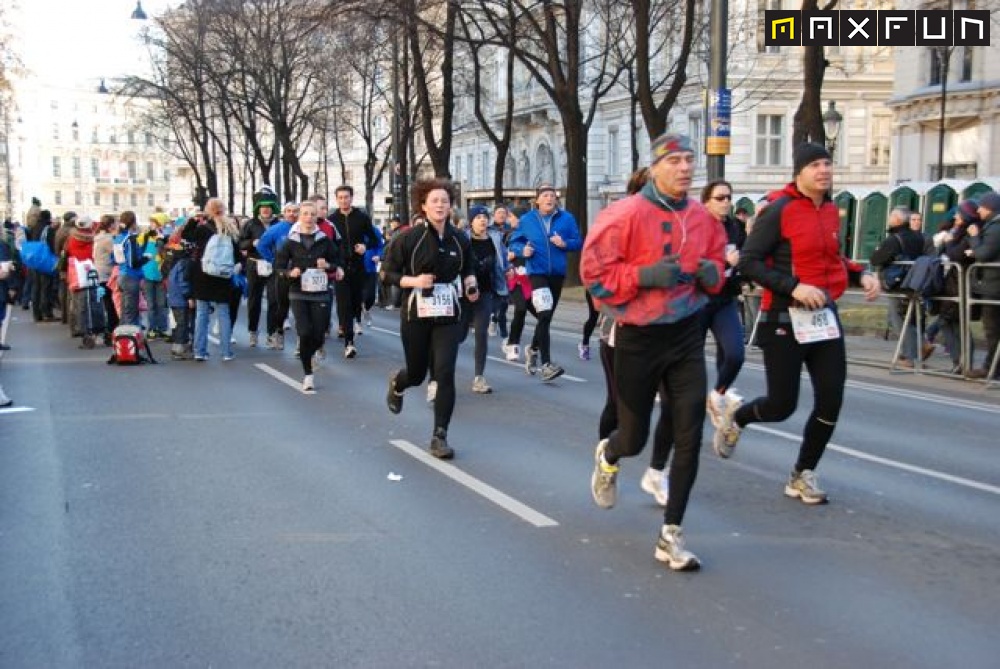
[(501, 266), (370, 265), (131, 247), (179, 284), (272, 240), (548, 259)]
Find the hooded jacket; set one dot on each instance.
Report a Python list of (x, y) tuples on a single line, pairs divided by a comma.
[(354, 228), (533, 228), (296, 254)]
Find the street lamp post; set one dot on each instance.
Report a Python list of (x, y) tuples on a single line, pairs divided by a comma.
[(832, 120), (138, 13), (944, 58)]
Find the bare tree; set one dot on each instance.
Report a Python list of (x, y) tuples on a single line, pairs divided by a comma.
[(807, 124)]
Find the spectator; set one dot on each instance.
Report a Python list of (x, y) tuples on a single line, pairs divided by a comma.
[(984, 247)]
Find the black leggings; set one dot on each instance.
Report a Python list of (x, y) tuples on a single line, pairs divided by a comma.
[(477, 314), (350, 296), (826, 363), (370, 291), (277, 304), (522, 306), (425, 343), (256, 287), (592, 316), (541, 339), (311, 321), (646, 359)]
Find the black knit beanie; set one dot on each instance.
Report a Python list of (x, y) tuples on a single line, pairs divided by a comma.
[(806, 153)]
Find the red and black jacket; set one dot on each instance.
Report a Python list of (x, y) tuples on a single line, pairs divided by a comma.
[(794, 241)]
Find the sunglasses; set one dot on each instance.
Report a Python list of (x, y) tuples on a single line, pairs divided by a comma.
[(720, 198)]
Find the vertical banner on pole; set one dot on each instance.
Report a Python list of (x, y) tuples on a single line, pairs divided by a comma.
[(719, 122)]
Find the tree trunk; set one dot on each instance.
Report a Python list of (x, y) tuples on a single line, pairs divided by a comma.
[(808, 120)]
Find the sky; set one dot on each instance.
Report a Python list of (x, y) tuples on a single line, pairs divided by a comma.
[(77, 41)]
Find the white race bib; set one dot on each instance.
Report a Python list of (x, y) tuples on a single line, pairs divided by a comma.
[(118, 252), (440, 303), (314, 280), (264, 268), (541, 298), (812, 326)]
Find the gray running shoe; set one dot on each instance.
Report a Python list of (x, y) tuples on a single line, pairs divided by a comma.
[(805, 486), (727, 434), (604, 480), (439, 446), (531, 360), (551, 372), (670, 550)]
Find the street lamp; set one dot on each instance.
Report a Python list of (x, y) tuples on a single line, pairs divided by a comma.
[(832, 120), (138, 14)]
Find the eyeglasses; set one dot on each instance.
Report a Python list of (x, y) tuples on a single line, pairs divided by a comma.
[(720, 198)]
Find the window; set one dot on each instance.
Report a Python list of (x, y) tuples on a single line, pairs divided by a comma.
[(166, 175), (76, 167), (149, 170), (770, 139), (133, 199), (149, 141), (469, 170), (761, 6), (486, 169), (456, 171), (97, 198), (76, 131), (112, 137), (935, 67), (78, 198), (55, 131), (964, 171), (150, 200), (57, 197), (95, 167), (614, 152), (115, 201), (56, 167), (131, 136), (695, 133), (131, 169), (94, 136), (966, 64), (879, 141)]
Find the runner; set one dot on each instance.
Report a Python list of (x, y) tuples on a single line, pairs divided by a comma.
[(431, 263), (357, 235), (794, 254)]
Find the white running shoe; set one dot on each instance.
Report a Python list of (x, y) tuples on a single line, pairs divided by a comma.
[(307, 384), (432, 391), (657, 484), (480, 386), (715, 407), (512, 352)]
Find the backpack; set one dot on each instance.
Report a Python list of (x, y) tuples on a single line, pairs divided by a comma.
[(925, 278), (217, 260), (892, 275), (127, 254), (130, 346), (38, 256)]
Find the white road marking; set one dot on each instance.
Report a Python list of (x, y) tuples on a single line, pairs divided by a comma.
[(15, 410), (284, 378), (499, 498), (895, 464)]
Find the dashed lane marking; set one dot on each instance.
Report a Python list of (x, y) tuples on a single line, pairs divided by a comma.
[(15, 410), (499, 498), (284, 378)]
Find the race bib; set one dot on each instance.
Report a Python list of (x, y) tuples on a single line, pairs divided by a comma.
[(314, 281), (440, 303), (812, 326), (118, 252), (264, 268), (541, 298)]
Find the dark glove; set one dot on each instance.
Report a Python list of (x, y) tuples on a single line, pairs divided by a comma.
[(708, 273), (662, 274)]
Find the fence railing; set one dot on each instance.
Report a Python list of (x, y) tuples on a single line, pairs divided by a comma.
[(965, 301)]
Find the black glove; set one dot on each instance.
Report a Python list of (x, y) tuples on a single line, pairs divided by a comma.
[(708, 273), (662, 274)]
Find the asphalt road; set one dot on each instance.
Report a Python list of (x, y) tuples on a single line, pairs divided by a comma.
[(196, 515)]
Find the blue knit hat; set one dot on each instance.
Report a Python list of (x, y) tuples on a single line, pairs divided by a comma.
[(477, 210)]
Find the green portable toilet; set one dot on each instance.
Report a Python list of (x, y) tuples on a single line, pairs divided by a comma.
[(938, 199), (904, 196), (980, 187), (873, 214), (846, 206)]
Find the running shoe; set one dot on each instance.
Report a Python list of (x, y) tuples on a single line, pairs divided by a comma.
[(727, 435), (350, 351), (551, 372), (480, 386), (715, 407), (805, 486), (657, 484), (512, 352), (531, 360), (584, 351), (671, 551), (439, 446), (604, 480), (307, 384), (393, 399)]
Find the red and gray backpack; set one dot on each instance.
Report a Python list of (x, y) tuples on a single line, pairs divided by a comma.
[(130, 346)]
